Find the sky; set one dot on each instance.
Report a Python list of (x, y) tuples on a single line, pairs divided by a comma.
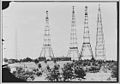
[(26, 21)]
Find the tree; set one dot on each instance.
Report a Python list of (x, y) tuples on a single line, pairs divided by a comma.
[(36, 61), (9, 77), (79, 72), (54, 74), (5, 60), (28, 59), (114, 71), (38, 73), (39, 66)]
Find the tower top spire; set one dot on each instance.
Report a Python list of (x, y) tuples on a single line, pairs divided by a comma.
[(46, 14), (99, 14), (73, 9), (99, 7), (86, 7), (86, 10)]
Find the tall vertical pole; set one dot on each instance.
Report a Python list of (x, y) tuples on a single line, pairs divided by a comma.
[(16, 44)]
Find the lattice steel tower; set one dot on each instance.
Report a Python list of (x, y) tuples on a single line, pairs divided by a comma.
[(47, 50), (86, 51), (100, 48), (73, 51)]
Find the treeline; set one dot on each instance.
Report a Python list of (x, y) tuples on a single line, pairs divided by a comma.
[(27, 59)]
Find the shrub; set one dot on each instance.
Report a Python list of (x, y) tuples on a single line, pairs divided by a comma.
[(39, 73), (54, 74), (79, 72), (39, 66), (36, 61), (67, 72), (114, 72)]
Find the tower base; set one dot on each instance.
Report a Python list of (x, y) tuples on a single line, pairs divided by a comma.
[(86, 57), (47, 53), (100, 58), (86, 52), (73, 53)]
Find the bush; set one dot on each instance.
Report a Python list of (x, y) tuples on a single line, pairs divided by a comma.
[(114, 72), (22, 74), (67, 72), (39, 73), (5, 60), (54, 74), (36, 61), (79, 72), (39, 66)]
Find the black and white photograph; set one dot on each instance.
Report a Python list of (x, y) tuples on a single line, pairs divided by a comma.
[(60, 41)]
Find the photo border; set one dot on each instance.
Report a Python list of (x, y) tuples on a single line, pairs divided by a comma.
[(117, 3)]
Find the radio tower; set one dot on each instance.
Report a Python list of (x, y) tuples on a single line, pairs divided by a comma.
[(73, 49), (99, 49), (47, 51), (86, 52)]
